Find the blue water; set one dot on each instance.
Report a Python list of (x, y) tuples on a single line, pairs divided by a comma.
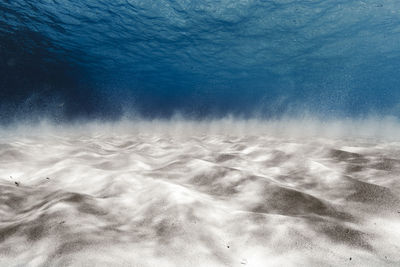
[(69, 59)]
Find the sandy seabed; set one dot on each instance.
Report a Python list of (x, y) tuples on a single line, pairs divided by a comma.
[(186, 194)]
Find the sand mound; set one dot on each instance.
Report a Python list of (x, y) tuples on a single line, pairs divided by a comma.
[(197, 200)]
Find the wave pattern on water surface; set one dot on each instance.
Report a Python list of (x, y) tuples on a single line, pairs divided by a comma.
[(200, 57)]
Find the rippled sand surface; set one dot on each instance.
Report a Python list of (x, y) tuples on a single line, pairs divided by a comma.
[(107, 198)]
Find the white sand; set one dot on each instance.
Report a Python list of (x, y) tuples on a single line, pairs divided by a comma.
[(222, 193)]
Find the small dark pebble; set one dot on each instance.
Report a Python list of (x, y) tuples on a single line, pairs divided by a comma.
[(350, 258), (16, 183), (47, 178), (227, 246), (62, 222)]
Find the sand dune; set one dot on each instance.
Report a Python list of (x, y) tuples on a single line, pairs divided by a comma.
[(93, 197)]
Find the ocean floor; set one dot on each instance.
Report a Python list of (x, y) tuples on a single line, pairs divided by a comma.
[(187, 197)]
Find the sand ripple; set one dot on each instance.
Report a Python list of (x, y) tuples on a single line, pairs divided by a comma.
[(199, 200)]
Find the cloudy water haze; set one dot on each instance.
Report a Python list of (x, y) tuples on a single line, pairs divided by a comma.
[(199, 133)]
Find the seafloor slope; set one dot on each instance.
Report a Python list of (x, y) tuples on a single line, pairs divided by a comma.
[(94, 197)]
